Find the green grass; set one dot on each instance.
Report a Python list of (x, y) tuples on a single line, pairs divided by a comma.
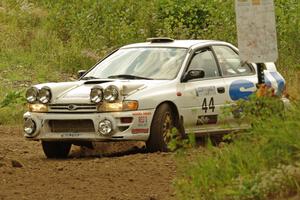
[(259, 164)]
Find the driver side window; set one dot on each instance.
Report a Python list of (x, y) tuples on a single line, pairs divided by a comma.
[(205, 60), (230, 62)]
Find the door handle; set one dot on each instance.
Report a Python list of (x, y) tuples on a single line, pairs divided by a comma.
[(221, 90)]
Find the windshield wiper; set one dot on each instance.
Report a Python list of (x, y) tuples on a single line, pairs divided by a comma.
[(89, 78), (128, 76)]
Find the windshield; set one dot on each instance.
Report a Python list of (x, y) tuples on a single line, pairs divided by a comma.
[(140, 63)]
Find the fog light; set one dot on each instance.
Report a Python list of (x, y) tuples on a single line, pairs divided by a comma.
[(105, 127), (29, 126)]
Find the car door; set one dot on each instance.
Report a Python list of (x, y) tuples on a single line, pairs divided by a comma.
[(240, 78), (202, 98)]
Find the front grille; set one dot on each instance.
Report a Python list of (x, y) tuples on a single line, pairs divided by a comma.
[(71, 126), (72, 108)]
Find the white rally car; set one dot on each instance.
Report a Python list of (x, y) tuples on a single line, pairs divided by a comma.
[(140, 92)]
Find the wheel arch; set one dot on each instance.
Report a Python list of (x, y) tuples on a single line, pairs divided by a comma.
[(174, 108), (156, 140)]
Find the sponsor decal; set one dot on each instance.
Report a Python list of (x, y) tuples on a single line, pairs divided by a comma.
[(139, 130), (241, 89), (206, 91), (255, 2), (142, 120), (207, 119), (69, 135), (141, 113)]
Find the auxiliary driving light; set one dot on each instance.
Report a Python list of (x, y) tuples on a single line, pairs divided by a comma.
[(31, 94), (29, 126), (111, 93), (96, 94), (44, 95), (105, 127)]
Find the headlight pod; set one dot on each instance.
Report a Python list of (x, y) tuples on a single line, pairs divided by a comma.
[(111, 93), (44, 95), (32, 94), (96, 94)]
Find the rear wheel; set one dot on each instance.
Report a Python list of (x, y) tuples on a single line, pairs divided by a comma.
[(161, 129), (56, 149)]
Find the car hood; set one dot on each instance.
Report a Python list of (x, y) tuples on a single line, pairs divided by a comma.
[(79, 91)]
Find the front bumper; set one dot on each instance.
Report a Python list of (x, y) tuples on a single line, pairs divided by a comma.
[(137, 129)]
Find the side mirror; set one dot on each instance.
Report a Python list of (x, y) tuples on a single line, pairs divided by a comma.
[(80, 73), (193, 74)]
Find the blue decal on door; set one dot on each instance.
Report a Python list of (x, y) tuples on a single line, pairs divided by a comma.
[(240, 89), (280, 82)]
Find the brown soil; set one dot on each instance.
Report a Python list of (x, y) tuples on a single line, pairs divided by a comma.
[(124, 172)]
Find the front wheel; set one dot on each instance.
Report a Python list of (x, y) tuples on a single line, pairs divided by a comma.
[(56, 149), (161, 129)]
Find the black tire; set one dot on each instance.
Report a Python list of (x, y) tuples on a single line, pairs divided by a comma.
[(56, 149), (158, 139)]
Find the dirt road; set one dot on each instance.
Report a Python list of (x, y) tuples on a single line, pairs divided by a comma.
[(25, 173)]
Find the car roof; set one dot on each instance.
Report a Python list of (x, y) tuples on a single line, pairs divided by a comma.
[(174, 43)]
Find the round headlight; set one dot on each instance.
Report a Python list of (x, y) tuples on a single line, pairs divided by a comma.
[(111, 93), (96, 94), (44, 95), (31, 94), (105, 127)]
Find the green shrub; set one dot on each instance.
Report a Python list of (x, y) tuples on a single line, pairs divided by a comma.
[(242, 169), (10, 107)]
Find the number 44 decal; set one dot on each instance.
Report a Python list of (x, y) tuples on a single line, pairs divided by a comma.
[(210, 106)]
